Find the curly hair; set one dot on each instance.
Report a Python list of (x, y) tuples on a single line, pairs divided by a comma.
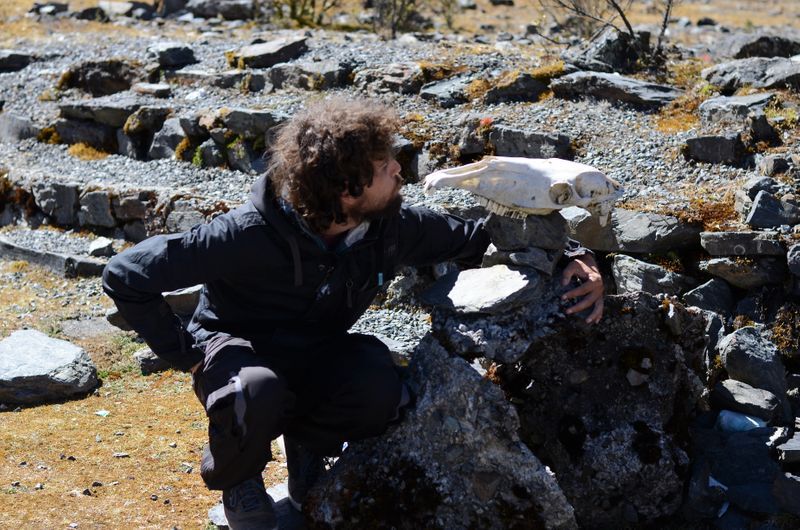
[(328, 149)]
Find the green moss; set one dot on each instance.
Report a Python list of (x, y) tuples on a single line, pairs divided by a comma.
[(197, 158)]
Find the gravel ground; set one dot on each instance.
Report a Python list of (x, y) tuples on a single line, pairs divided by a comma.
[(57, 241)]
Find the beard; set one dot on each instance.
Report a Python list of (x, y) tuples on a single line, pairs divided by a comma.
[(390, 209)]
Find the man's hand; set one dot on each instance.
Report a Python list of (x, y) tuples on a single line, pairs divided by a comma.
[(590, 290)]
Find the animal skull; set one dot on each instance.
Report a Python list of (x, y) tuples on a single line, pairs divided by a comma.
[(516, 187)]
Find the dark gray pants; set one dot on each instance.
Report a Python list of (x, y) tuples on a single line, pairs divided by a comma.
[(319, 391)]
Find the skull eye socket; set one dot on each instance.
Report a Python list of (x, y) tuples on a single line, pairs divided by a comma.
[(560, 192)]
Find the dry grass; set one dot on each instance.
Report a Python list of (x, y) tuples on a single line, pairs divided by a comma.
[(66, 447), (710, 208), (86, 152)]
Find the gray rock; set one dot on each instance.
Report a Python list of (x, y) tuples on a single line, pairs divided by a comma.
[(742, 243), (601, 436), (108, 111), (267, 54), (35, 368), (14, 128), (13, 61), (210, 155), (741, 462), (311, 75), (99, 78), (103, 137), (630, 231), (491, 290), (183, 217), (772, 165), (126, 146), (135, 231), (102, 246), (714, 295), (741, 397), (751, 359), (756, 72), (793, 259), (756, 184), (184, 301), (614, 87), (543, 231), (540, 259), (447, 93), (745, 273), (769, 212), (129, 207), (167, 139), (520, 87), (733, 108), (115, 318), (251, 123), (517, 142), (459, 442), (632, 275), (403, 78), (158, 90), (149, 362), (472, 136), (746, 45), (227, 9), (611, 51), (95, 210), (716, 149), (58, 200), (761, 130), (787, 492), (171, 54)]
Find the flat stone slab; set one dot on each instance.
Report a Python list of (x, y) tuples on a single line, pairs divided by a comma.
[(250, 123), (109, 110), (67, 265), (742, 243), (267, 54), (727, 108), (714, 295), (717, 149), (614, 87), (508, 141), (789, 452), (447, 93), (755, 72), (745, 273), (632, 275), (171, 54), (630, 231), (741, 397), (491, 290), (35, 368), (12, 61), (158, 90)]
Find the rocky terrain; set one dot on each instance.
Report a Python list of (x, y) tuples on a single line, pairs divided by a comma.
[(120, 120)]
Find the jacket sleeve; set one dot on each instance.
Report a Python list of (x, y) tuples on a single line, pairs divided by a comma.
[(136, 278), (426, 237)]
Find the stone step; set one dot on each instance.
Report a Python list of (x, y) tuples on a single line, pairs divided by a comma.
[(66, 264)]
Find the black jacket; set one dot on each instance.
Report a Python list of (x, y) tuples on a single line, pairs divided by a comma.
[(262, 272)]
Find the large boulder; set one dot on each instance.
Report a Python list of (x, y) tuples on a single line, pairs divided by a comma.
[(607, 407), (447, 93), (455, 461), (311, 75), (614, 87), (266, 54), (403, 78), (733, 108), (745, 45), (112, 111), (12, 61), (745, 273), (717, 149), (35, 368)]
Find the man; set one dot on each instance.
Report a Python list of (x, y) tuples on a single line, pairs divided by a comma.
[(285, 276)]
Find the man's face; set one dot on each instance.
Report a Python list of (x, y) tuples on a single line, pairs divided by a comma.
[(381, 198)]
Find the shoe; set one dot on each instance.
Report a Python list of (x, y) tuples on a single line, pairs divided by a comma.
[(305, 468), (247, 506)]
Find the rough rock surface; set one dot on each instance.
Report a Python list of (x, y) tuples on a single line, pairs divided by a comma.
[(624, 390), (455, 461), (614, 87), (35, 368), (632, 275)]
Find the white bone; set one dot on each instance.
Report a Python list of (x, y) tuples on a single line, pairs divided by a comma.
[(517, 187)]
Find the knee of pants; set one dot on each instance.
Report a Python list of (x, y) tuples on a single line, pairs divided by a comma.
[(379, 396), (263, 388)]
